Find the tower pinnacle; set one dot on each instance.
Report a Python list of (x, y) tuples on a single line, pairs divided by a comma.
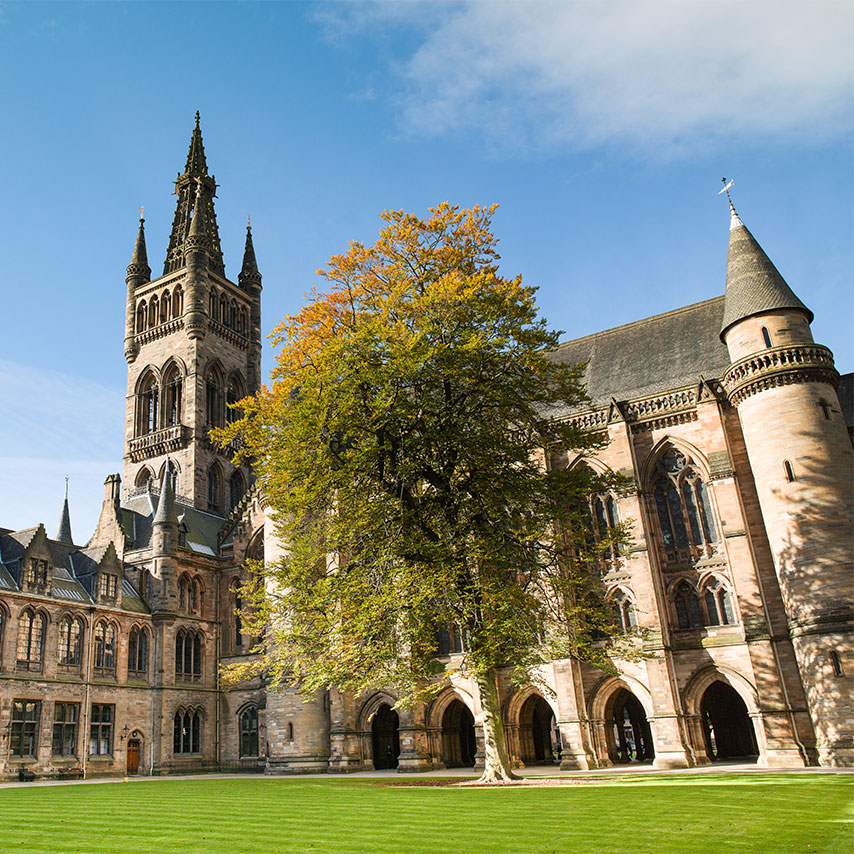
[(249, 272), (63, 531), (138, 266)]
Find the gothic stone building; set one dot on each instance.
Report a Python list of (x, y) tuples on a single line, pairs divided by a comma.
[(732, 422)]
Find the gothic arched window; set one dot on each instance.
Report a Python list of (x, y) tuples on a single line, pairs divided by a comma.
[(687, 604), (31, 632), (165, 304), (598, 515), (187, 732), (213, 398), (625, 610), (249, 731), (153, 312), (685, 517), (188, 655), (173, 384), (105, 646), (244, 322), (138, 651), (213, 305), (147, 404), (233, 393), (214, 488), (140, 317), (177, 303), (70, 641), (238, 605), (236, 488), (718, 604)]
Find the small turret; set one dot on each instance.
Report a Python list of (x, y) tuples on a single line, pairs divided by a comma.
[(250, 280), (196, 251), (165, 522), (63, 531), (138, 274), (249, 275)]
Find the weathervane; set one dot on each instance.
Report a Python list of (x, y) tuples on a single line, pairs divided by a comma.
[(141, 210), (726, 190)]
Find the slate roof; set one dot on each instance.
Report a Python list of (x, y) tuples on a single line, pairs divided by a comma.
[(753, 284), (651, 356), (202, 528)]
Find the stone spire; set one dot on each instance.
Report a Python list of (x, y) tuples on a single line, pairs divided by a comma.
[(138, 268), (63, 531), (166, 514), (249, 274), (753, 284), (194, 188)]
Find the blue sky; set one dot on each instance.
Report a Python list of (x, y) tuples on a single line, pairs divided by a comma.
[(601, 129)]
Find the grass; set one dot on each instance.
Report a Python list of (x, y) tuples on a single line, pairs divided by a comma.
[(753, 813)]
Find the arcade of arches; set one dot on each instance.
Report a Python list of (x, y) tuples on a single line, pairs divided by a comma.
[(385, 737), (459, 744)]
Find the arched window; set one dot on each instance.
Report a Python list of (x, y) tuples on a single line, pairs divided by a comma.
[(188, 655), (835, 663), (196, 597), (138, 651), (147, 403), (238, 605), (597, 515), (177, 302), (688, 614), (165, 303), (790, 472), (233, 394), (173, 384), (187, 732), (232, 319), (105, 647), (244, 322), (143, 478), (213, 398), (212, 305), (625, 610), (31, 632), (70, 642), (214, 488), (290, 732), (236, 488), (153, 312), (766, 337), (685, 517), (184, 593), (140, 317), (718, 604), (249, 731)]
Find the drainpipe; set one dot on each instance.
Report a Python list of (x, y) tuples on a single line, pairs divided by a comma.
[(218, 653), (153, 663), (85, 716)]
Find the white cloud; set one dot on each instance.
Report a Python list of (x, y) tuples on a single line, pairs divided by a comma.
[(650, 75)]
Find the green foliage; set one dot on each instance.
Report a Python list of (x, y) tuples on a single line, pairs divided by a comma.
[(404, 446)]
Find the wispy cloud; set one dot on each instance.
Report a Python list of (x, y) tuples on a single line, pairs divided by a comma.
[(655, 76)]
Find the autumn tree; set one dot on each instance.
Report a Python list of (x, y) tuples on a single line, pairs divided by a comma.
[(402, 445)]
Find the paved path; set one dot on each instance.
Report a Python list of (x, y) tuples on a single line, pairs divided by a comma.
[(535, 771)]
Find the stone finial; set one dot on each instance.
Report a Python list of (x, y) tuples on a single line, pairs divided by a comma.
[(63, 531)]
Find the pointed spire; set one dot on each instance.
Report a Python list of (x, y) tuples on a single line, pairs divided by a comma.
[(166, 514), (139, 260), (188, 187), (196, 165), (249, 274), (198, 231), (753, 284), (63, 531)]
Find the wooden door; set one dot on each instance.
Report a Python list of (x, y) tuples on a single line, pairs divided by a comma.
[(133, 756)]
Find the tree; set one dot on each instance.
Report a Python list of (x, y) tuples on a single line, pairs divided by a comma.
[(402, 445)]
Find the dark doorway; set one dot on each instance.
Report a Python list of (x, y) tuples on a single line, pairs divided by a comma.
[(458, 739), (727, 726), (627, 729), (133, 757), (385, 730), (537, 742)]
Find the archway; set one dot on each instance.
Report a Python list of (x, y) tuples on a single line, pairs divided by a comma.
[(458, 739), (727, 727), (627, 729), (385, 733), (536, 731)]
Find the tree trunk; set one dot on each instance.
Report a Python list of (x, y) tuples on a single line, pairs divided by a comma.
[(496, 767)]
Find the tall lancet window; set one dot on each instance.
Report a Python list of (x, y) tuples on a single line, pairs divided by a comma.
[(684, 508), (147, 404), (173, 384)]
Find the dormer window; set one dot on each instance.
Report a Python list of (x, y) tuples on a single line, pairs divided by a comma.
[(109, 586), (36, 573)]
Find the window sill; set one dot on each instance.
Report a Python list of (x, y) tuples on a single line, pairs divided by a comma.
[(22, 760), (106, 758), (57, 759)]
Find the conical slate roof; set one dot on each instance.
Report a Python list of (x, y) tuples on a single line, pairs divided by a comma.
[(63, 531), (139, 259), (249, 272), (753, 284), (166, 514)]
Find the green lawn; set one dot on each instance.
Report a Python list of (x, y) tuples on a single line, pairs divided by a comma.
[(753, 813)]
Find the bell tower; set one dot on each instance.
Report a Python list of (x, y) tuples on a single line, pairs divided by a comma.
[(193, 345), (783, 385)]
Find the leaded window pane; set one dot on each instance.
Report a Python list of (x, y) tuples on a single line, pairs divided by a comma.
[(663, 517), (674, 505), (708, 518), (693, 515)]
